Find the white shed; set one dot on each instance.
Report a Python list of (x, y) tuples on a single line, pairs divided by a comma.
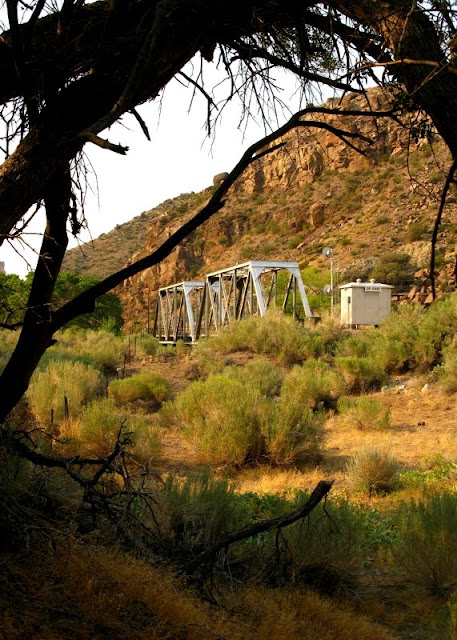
[(364, 303)]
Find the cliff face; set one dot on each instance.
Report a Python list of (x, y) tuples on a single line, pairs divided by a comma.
[(314, 191)]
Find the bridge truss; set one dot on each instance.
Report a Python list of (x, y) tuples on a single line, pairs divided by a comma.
[(189, 310)]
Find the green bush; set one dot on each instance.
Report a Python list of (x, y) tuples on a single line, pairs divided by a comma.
[(313, 383), (372, 470), (395, 269), (261, 373), (361, 374), (427, 548), (447, 372), (275, 335), (149, 386), (364, 413), (147, 345), (100, 424), (223, 418), (75, 381), (292, 429), (416, 231), (100, 349)]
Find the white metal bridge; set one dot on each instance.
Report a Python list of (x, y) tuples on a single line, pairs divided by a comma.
[(191, 309)]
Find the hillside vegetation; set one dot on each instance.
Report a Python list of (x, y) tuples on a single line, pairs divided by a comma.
[(313, 193), (236, 430)]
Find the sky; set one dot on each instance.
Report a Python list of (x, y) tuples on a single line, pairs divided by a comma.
[(180, 158)]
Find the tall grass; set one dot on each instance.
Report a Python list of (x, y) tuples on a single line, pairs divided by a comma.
[(8, 341), (427, 548), (195, 511), (76, 382), (100, 424)]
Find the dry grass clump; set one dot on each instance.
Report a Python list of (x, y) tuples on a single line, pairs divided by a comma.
[(146, 437), (79, 590), (62, 384), (304, 615), (372, 470), (149, 386), (427, 548), (363, 413)]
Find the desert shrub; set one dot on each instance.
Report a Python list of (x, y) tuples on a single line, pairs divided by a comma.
[(293, 430), (100, 423), (364, 413), (100, 349), (196, 511), (146, 436), (435, 332), (395, 269), (313, 383), (361, 374), (149, 386), (75, 381), (416, 231), (427, 548), (447, 372), (147, 345), (275, 334), (261, 373), (296, 421), (223, 418), (372, 470)]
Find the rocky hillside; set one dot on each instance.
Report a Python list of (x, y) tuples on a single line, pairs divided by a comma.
[(314, 192)]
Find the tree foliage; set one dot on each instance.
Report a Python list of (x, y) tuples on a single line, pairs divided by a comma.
[(14, 293)]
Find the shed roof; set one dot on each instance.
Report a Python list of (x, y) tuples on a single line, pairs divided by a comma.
[(362, 285)]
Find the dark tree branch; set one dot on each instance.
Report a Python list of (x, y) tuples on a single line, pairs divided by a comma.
[(447, 184), (248, 52), (263, 526), (104, 144), (142, 123)]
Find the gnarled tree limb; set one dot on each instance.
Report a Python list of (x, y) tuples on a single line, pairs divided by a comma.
[(263, 526)]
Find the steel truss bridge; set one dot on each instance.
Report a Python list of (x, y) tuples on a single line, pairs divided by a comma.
[(192, 309)]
